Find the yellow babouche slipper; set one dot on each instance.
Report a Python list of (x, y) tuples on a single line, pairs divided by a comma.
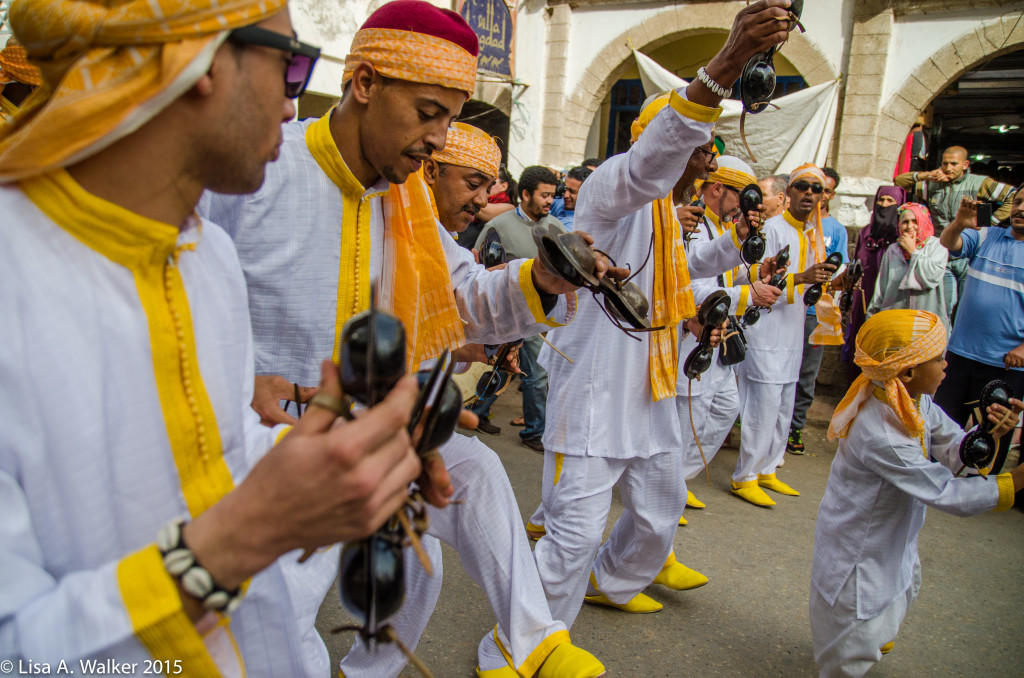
[(749, 490), (535, 532), (504, 672), (640, 604), (682, 521), (887, 648), (569, 661), (679, 577), (693, 502), (771, 482)]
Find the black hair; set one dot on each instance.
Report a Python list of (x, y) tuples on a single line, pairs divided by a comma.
[(592, 162), (832, 174), (512, 191), (580, 174), (534, 176)]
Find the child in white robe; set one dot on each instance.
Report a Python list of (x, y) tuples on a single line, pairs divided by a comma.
[(866, 570)]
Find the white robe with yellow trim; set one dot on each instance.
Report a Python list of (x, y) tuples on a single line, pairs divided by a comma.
[(87, 474), (288, 236), (865, 543)]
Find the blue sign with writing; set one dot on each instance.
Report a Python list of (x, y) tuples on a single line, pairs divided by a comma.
[(492, 23)]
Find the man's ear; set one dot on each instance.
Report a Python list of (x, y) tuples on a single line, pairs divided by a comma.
[(907, 375), (430, 171), (363, 78), (217, 71)]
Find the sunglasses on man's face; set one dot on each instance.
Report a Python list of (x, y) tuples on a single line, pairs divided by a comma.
[(300, 65), (816, 189)]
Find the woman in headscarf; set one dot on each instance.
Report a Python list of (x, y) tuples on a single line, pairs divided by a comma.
[(874, 239), (912, 268)]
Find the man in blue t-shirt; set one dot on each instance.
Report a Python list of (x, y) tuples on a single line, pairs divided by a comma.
[(987, 341), (836, 240), (564, 208)]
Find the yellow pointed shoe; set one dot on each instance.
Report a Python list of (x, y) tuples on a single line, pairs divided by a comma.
[(772, 482), (503, 672), (682, 521), (535, 532), (569, 661), (640, 604), (887, 648), (693, 502), (679, 577), (749, 490)]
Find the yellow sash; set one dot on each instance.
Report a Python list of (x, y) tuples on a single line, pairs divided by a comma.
[(419, 283), (672, 301)]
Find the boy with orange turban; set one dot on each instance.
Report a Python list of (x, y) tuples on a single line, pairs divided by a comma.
[(866, 570)]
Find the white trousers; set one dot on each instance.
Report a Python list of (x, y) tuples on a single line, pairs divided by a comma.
[(487, 531), (577, 496), (766, 411), (714, 412), (847, 647)]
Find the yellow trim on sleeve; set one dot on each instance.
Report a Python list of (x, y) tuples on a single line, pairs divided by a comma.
[(791, 288), (755, 272), (532, 296), (693, 111), (559, 458), (1006, 494), (744, 300), (280, 436), (735, 238), (158, 618)]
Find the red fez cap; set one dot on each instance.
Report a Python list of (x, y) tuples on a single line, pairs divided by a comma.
[(422, 17)]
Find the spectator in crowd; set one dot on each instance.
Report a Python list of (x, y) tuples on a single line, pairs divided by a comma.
[(988, 341), (912, 268), (501, 199), (592, 163), (774, 190), (836, 240), (882, 230), (515, 228), (564, 208), (866, 570), (942, 190)]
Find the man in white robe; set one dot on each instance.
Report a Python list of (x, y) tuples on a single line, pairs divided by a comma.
[(708, 406), (127, 362), (607, 426), (866, 570), (322, 232), (767, 378)]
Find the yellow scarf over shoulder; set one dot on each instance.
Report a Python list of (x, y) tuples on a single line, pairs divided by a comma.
[(417, 285)]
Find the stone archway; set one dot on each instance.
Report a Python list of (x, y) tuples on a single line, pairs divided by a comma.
[(990, 39), (667, 26)]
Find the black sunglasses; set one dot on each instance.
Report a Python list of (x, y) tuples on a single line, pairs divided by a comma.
[(300, 65), (816, 189), (708, 154)]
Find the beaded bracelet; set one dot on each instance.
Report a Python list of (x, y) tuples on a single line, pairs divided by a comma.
[(180, 562), (706, 79)]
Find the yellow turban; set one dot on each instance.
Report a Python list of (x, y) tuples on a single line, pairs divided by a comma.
[(108, 68), (14, 65), (415, 41), (807, 172), (732, 172), (469, 146), (647, 114), (888, 343)]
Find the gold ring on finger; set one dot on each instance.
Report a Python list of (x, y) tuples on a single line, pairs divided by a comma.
[(330, 403)]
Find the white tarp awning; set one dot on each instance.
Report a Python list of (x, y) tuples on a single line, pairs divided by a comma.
[(800, 130)]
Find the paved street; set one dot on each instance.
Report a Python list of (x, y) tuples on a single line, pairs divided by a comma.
[(751, 619)]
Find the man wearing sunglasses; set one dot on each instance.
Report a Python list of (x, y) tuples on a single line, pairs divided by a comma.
[(346, 212), (768, 376), (144, 518), (713, 401)]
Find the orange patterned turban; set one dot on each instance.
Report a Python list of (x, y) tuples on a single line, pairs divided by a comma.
[(14, 65), (888, 343), (415, 41), (469, 146), (108, 68), (732, 172)]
